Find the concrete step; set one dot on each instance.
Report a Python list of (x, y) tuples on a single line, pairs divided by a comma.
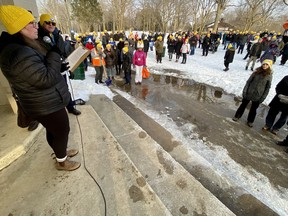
[(125, 189), (180, 192), (106, 169), (14, 141)]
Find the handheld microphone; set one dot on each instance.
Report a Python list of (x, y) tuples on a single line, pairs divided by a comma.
[(47, 39)]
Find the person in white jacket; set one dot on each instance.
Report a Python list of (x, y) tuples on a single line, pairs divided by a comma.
[(184, 50)]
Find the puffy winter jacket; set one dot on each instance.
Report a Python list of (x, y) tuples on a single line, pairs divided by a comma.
[(257, 87), (139, 58), (35, 78), (281, 88)]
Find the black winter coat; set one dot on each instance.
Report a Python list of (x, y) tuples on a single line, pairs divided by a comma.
[(171, 46), (256, 50), (229, 55), (35, 78), (281, 88)]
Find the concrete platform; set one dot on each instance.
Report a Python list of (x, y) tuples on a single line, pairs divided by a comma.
[(123, 172)]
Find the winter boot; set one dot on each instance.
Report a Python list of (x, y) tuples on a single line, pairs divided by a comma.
[(226, 69), (72, 152), (67, 165), (246, 68)]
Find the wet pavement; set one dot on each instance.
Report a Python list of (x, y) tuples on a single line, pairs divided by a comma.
[(211, 109)]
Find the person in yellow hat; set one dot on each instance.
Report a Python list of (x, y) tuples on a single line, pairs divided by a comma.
[(111, 60), (126, 58), (34, 74), (256, 90), (50, 36), (159, 49)]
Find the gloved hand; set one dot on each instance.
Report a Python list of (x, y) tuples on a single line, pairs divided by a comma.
[(64, 66)]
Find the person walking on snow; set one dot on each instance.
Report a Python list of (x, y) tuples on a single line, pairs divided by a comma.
[(229, 56)]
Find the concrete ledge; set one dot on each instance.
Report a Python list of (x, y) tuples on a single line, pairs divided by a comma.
[(180, 192)]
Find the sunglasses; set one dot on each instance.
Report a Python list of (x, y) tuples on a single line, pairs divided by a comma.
[(35, 24), (50, 23)]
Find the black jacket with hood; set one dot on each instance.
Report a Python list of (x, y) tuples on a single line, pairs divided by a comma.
[(35, 78)]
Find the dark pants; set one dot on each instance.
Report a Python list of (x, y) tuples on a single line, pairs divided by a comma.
[(284, 59), (252, 111), (192, 51), (85, 64), (57, 131), (271, 116), (99, 73), (127, 73), (184, 58), (205, 50), (226, 64), (118, 68), (170, 54), (159, 57), (71, 103), (241, 48)]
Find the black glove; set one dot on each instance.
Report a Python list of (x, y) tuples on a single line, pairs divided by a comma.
[(56, 49), (64, 66)]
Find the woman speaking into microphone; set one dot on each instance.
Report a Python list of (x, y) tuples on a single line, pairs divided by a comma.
[(35, 76)]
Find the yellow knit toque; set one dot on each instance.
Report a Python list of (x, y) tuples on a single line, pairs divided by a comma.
[(46, 17), (14, 18)]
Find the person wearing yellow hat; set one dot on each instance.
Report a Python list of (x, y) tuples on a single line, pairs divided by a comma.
[(170, 46), (126, 59), (229, 56), (159, 49), (254, 53), (206, 44), (98, 62), (110, 59), (50, 37), (256, 90), (34, 74)]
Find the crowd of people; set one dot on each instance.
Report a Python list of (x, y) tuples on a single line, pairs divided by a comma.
[(32, 58)]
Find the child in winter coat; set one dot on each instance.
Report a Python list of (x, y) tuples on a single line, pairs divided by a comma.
[(184, 50), (255, 90), (139, 61), (229, 56)]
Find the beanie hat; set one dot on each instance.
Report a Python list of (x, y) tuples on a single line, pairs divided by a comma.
[(108, 46), (89, 40), (230, 46), (126, 43), (256, 37), (14, 18), (99, 46), (268, 61), (46, 17), (125, 50), (140, 45)]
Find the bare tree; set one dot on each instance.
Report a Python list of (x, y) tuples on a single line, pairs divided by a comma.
[(221, 6)]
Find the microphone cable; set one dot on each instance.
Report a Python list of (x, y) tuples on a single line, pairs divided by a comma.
[(82, 147)]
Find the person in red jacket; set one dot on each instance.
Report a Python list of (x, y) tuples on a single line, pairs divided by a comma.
[(89, 45), (139, 61)]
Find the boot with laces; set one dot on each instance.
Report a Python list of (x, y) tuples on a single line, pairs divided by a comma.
[(67, 165)]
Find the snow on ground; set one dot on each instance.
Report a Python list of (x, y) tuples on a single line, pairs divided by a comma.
[(209, 70)]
